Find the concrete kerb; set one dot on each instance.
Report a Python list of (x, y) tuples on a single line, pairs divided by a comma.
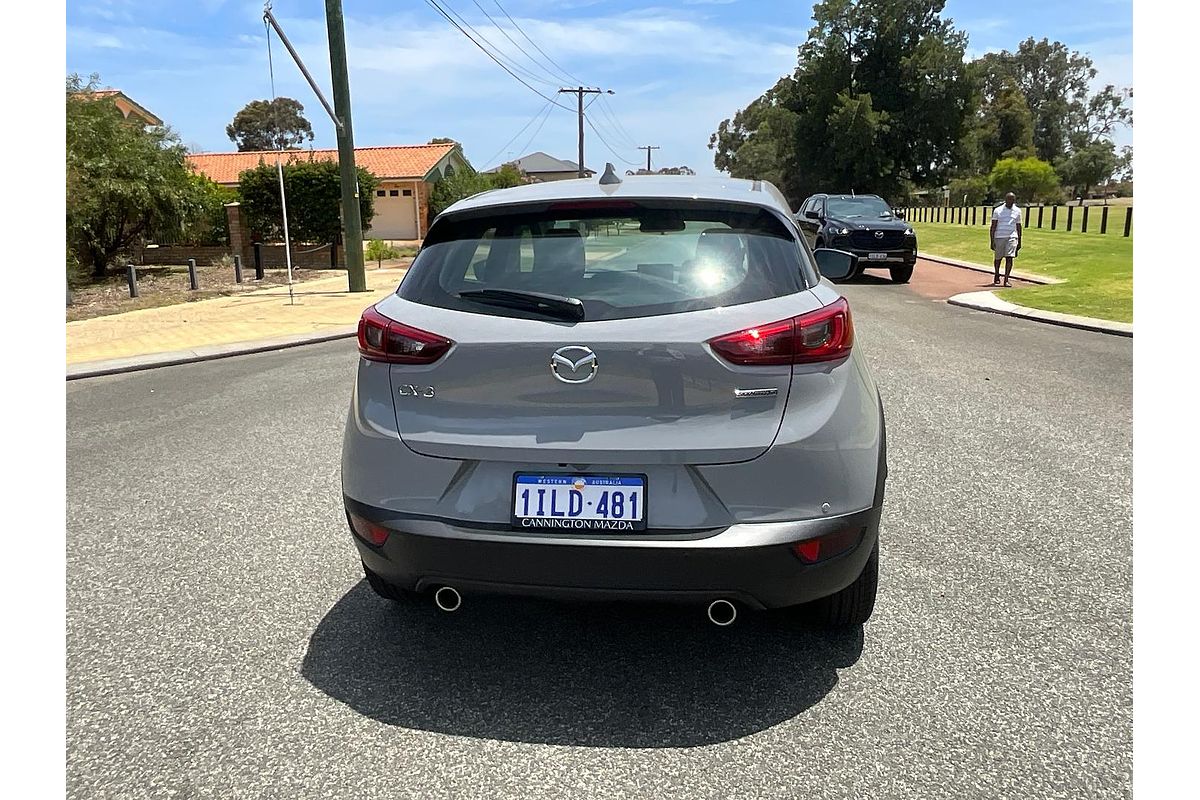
[(117, 366), (987, 301)]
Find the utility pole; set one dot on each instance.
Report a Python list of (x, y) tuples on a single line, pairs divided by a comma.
[(648, 148), (351, 221), (580, 92)]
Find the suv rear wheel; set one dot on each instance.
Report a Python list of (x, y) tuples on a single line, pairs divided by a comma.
[(854, 604), (901, 274)]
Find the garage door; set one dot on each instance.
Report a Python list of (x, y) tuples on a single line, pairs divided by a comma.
[(395, 214)]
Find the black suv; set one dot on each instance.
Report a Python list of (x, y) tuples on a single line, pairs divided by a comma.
[(862, 224)]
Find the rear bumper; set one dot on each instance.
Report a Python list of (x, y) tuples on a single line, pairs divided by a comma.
[(752, 563)]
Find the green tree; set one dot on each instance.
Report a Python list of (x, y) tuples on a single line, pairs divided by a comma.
[(210, 224), (277, 124), (1005, 126), (879, 100), (976, 189), (123, 180), (314, 200), (1054, 82), (1088, 166), (1030, 179), (466, 182)]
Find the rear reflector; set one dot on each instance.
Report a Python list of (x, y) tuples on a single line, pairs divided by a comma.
[(368, 531), (826, 334), (384, 339), (810, 551)]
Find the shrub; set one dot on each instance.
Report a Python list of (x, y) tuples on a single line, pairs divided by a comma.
[(377, 250), (314, 200), (1030, 179)]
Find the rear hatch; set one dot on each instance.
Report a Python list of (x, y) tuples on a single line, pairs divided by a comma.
[(580, 334)]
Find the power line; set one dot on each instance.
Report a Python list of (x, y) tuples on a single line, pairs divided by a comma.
[(606, 108), (433, 4), (512, 62), (536, 130), (514, 42), (545, 108), (588, 120), (570, 78)]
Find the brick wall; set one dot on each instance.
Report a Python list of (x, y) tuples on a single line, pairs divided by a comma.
[(273, 257), (179, 254), (423, 217)]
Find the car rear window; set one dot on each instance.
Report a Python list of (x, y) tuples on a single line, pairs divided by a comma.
[(621, 259)]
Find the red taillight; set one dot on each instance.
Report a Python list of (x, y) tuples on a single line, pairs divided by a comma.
[(383, 339), (369, 531), (810, 551), (826, 334)]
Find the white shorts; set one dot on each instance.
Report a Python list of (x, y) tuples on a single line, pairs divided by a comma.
[(1006, 248)]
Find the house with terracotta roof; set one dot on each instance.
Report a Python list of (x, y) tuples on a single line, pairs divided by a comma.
[(406, 175), (127, 107)]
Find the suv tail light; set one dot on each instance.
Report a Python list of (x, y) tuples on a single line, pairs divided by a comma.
[(826, 334), (383, 339)]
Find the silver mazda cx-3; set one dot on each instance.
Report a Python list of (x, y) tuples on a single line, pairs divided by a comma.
[(624, 388)]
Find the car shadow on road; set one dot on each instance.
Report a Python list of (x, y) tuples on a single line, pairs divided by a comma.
[(593, 675), (870, 279)]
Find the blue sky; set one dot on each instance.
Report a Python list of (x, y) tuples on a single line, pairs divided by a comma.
[(677, 68)]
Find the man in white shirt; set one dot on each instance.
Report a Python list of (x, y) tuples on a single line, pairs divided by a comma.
[(1006, 236)]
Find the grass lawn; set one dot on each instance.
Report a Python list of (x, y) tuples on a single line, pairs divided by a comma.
[(1098, 269)]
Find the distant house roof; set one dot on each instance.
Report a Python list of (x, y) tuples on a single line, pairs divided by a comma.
[(124, 102), (542, 162), (402, 161)]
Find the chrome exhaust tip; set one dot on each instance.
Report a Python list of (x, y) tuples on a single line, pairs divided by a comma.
[(447, 598), (722, 613)]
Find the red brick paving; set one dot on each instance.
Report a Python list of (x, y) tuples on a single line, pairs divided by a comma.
[(938, 281)]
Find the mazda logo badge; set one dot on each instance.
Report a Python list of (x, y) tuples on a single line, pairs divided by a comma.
[(878, 234), (574, 364)]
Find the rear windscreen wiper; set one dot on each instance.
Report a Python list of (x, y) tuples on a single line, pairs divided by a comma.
[(554, 305)]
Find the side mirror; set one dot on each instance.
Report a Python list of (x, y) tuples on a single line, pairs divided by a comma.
[(898, 214), (811, 215), (836, 264)]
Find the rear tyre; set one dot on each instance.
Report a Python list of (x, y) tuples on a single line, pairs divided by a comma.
[(901, 274), (389, 591), (854, 604)]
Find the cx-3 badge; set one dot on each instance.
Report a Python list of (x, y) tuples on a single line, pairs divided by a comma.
[(574, 364)]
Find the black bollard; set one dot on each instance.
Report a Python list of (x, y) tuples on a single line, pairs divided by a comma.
[(193, 283), (258, 265), (131, 279), (237, 268)]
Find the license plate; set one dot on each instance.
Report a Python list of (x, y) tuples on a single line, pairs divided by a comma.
[(877, 256), (579, 502)]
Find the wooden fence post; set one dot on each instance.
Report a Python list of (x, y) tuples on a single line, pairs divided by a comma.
[(1128, 220), (1070, 214), (1053, 216), (1083, 227), (1104, 220)]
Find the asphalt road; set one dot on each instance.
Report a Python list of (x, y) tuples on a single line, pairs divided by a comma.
[(221, 642)]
